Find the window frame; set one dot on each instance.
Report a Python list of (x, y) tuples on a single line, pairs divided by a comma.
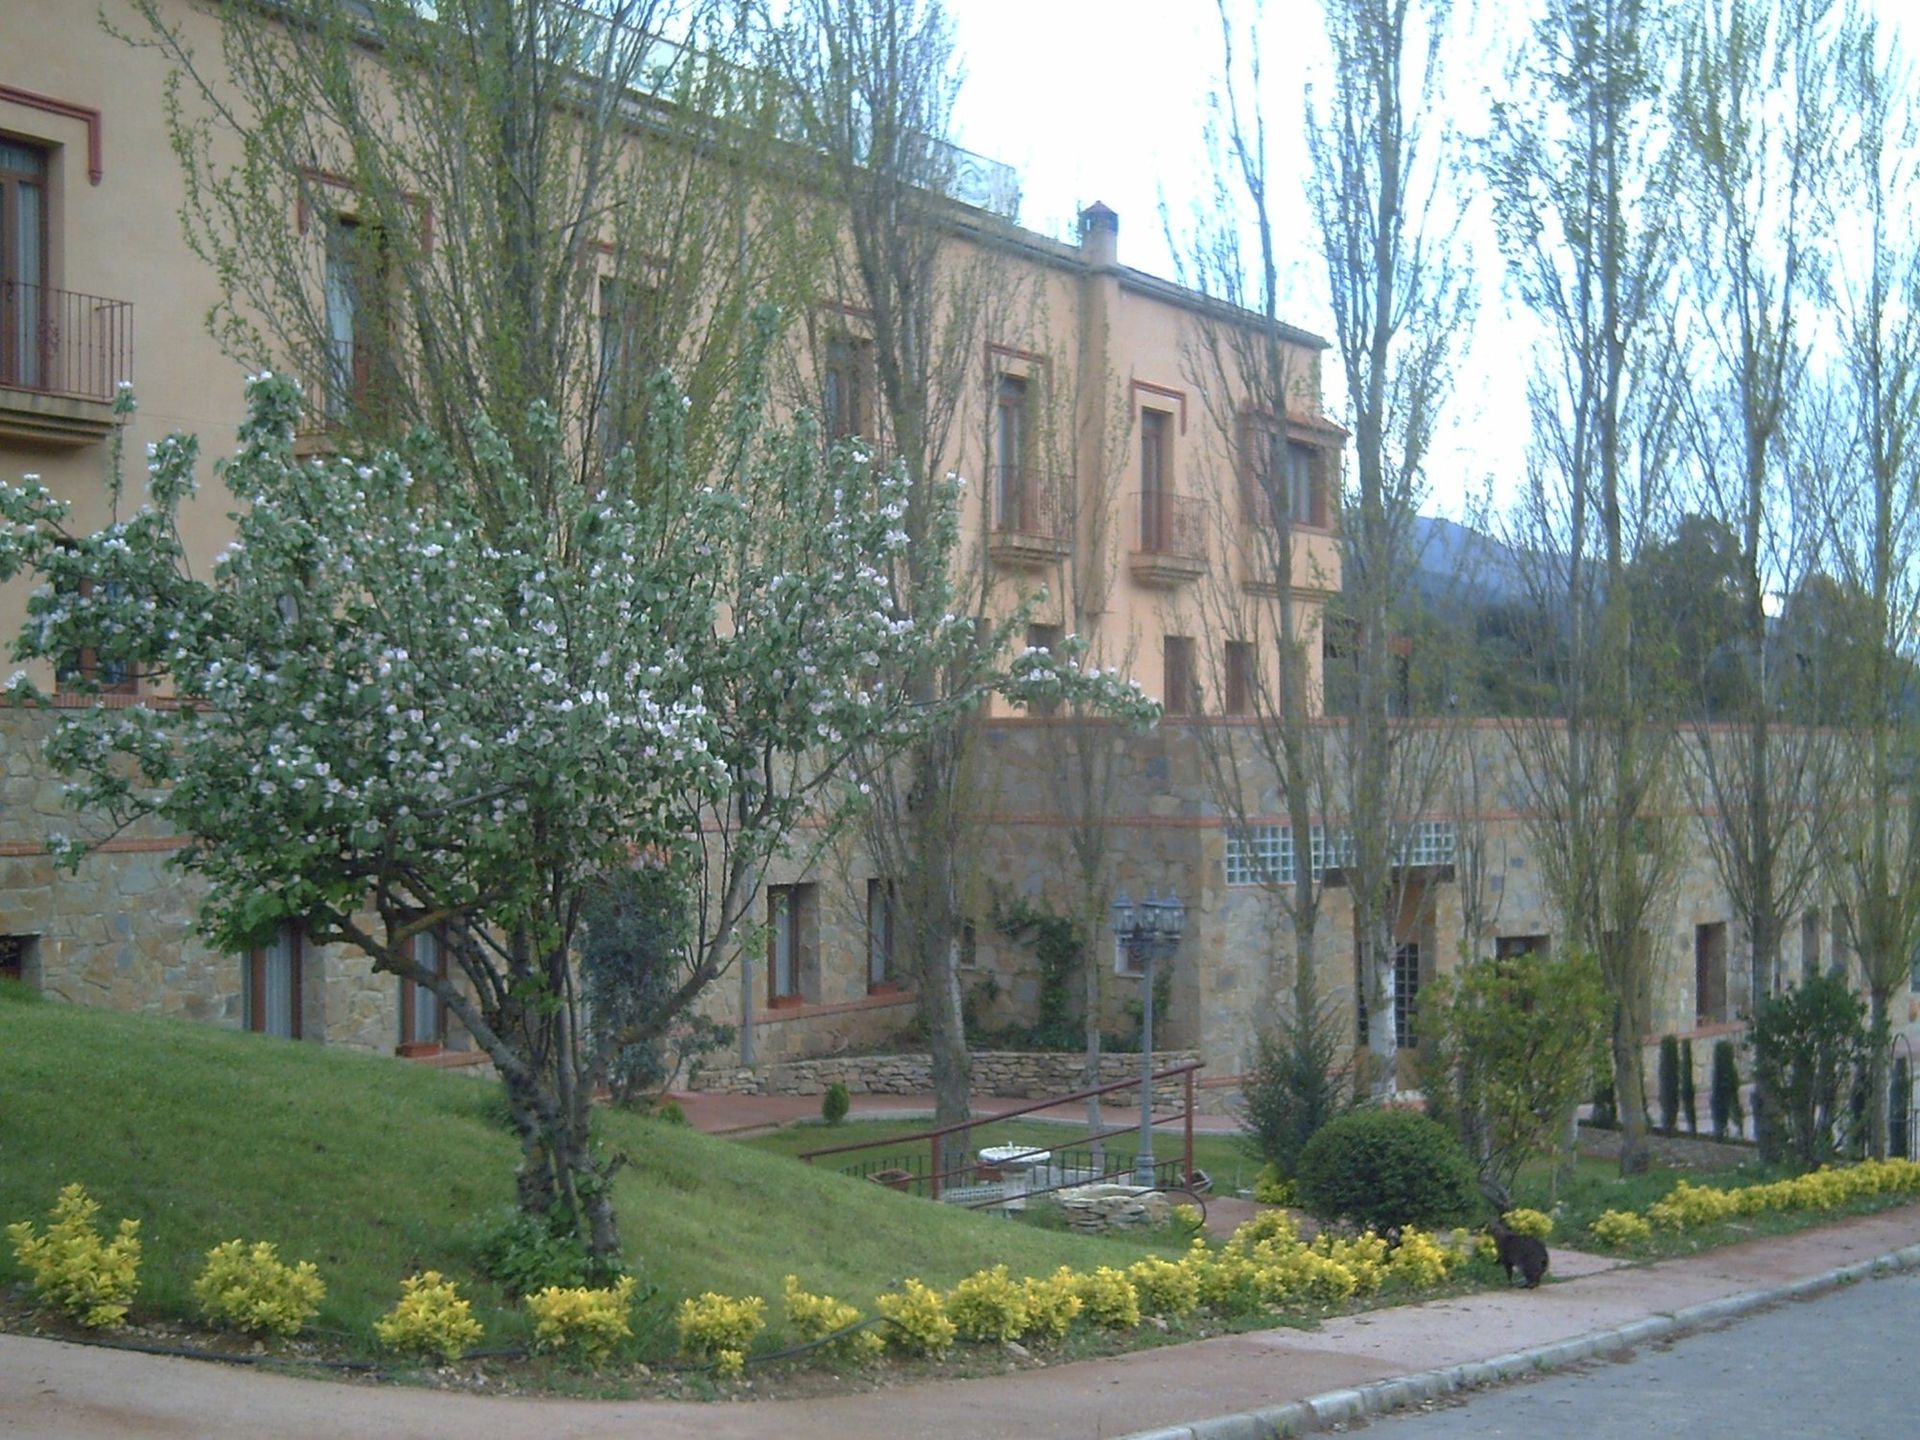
[(883, 935), (1011, 433), (1179, 676), (257, 1020), (788, 914), (20, 314), (1239, 665), (412, 992)]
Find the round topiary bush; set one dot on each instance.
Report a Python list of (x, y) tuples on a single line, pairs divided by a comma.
[(1387, 1168)]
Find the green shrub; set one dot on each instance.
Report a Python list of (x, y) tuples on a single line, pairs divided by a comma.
[(88, 1279), (835, 1103), (251, 1289), (584, 1322), (1689, 1110), (1386, 1169), (1724, 1098), (1810, 1053), (431, 1319), (1669, 1083), (1899, 1109), (1292, 1086), (526, 1255)]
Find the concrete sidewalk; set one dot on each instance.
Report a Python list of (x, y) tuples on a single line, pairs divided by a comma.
[(69, 1392)]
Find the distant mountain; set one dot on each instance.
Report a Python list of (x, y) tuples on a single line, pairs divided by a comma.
[(1456, 567)]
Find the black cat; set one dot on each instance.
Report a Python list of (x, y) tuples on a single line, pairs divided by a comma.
[(1525, 1253)]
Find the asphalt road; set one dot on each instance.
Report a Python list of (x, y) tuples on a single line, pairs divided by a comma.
[(1845, 1366)]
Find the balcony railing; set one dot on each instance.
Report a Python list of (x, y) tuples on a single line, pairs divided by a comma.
[(1027, 526), (61, 342), (1169, 540)]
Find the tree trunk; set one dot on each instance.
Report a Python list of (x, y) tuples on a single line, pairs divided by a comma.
[(1630, 1086), (1878, 1066)]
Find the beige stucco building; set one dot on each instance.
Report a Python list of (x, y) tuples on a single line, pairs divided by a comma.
[(1143, 508)]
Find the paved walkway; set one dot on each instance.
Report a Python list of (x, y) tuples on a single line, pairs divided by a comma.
[(718, 1114), (69, 1392)]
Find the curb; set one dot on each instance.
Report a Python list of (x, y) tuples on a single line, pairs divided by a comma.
[(1382, 1397)]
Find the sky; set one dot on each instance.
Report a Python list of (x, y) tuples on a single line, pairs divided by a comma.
[(1108, 100)]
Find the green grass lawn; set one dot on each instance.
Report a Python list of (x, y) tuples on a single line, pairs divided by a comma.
[(374, 1168)]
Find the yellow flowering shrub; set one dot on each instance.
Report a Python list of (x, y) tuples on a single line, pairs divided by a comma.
[(1109, 1298), (1617, 1229), (1419, 1260), (1269, 1188), (1165, 1287), (1267, 1225), (250, 1288), (1362, 1256), (1295, 1274), (431, 1319), (712, 1325), (1692, 1205), (1523, 1221), (581, 1320), (1188, 1217), (920, 1324), (89, 1279), (1228, 1280), (814, 1317), (987, 1305), (1053, 1304)]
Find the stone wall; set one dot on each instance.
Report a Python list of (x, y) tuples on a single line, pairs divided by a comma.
[(1029, 1074), (118, 930)]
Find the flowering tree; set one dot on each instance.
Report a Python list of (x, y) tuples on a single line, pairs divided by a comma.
[(397, 715)]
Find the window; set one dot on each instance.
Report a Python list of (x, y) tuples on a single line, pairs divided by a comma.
[(622, 393), (789, 943), (1279, 473), (273, 984), (1155, 481), (1710, 972), (87, 668), (1406, 995), (24, 332), (1047, 638), (1010, 454), (423, 1019), (1306, 500), (353, 289), (1809, 944), (1511, 947), (1178, 683), (20, 960), (882, 925), (1240, 677), (843, 399)]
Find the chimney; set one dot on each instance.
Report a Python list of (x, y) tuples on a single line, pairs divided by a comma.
[(1099, 235)]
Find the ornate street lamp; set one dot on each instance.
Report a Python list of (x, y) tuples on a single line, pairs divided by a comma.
[(1148, 930)]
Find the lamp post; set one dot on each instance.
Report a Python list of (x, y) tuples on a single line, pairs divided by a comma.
[(1147, 930)]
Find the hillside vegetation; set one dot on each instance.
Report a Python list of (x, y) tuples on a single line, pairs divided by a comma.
[(374, 1168)]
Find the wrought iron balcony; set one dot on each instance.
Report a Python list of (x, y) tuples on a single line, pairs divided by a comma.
[(1169, 538), (1027, 527), (59, 347)]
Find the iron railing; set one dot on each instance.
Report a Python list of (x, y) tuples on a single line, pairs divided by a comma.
[(913, 1163), (1022, 506), (61, 342), (1166, 524)]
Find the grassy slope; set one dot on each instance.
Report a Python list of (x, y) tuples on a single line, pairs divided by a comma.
[(374, 1168)]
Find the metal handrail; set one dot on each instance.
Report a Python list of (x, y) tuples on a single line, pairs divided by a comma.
[(936, 1174)]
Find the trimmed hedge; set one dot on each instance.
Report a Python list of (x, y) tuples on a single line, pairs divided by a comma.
[(1387, 1169)]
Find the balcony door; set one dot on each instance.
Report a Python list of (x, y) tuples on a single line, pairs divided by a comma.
[(23, 265)]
